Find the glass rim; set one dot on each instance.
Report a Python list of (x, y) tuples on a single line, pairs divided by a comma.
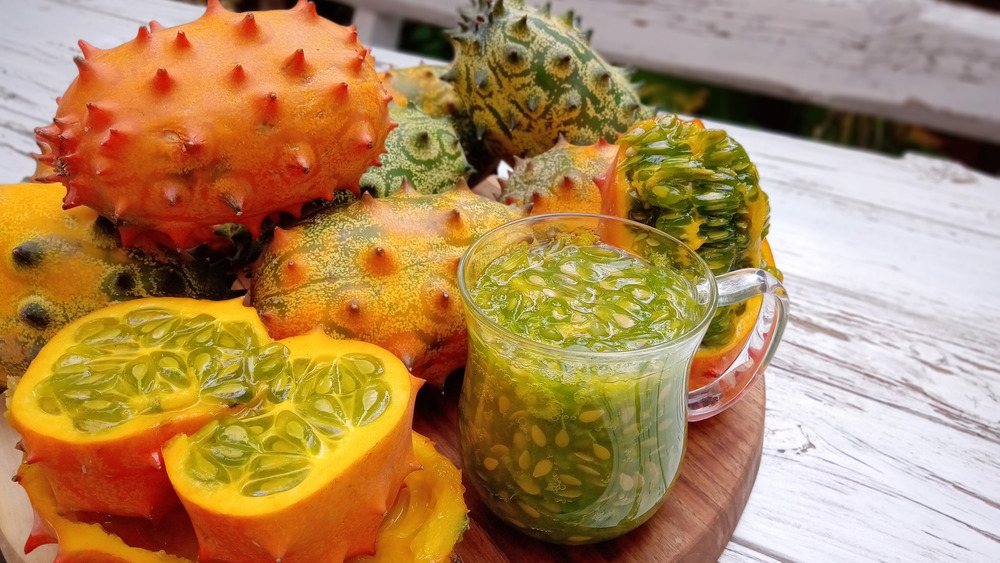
[(683, 338)]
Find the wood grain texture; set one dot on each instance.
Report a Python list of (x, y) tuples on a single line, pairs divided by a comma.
[(883, 403), (928, 62)]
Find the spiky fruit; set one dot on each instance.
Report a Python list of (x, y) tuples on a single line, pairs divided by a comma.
[(379, 270), (423, 525), (56, 266), (228, 119), (263, 441), (424, 86), (699, 186), (561, 179), (527, 77), (423, 149)]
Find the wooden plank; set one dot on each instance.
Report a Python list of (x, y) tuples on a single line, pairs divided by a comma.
[(927, 62)]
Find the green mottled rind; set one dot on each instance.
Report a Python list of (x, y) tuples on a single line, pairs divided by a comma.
[(526, 78), (699, 186), (423, 149), (423, 86)]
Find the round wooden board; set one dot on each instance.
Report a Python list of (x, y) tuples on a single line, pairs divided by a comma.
[(695, 524)]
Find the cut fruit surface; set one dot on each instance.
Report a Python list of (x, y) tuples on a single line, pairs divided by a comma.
[(280, 431), (109, 389), (306, 475)]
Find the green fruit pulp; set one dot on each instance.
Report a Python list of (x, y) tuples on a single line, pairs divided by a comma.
[(576, 448), (285, 411), (578, 293)]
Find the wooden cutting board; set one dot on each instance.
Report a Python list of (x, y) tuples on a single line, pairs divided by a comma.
[(695, 523)]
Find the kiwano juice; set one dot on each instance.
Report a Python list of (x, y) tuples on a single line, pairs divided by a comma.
[(573, 409)]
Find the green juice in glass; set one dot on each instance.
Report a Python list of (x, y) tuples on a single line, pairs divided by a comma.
[(573, 419)]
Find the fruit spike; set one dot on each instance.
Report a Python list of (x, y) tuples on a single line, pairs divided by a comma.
[(182, 42), (296, 64), (248, 27), (97, 117), (238, 75), (155, 26), (87, 49), (161, 81), (201, 79)]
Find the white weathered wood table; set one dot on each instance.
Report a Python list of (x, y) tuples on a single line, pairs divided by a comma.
[(883, 403)]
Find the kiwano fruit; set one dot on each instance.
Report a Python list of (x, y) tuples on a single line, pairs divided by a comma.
[(56, 266), (526, 77), (379, 270), (561, 179), (264, 442), (424, 87), (423, 525), (697, 185), (228, 119), (423, 149)]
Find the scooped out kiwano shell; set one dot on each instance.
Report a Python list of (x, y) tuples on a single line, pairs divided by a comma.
[(265, 441), (423, 525), (228, 119), (379, 270)]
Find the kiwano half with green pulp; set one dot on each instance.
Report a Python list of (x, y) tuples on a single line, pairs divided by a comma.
[(697, 185)]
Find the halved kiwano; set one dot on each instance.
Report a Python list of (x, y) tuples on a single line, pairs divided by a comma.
[(423, 525), (282, 433)]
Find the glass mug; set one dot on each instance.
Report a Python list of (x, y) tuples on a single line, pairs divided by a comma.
[(575, 446)]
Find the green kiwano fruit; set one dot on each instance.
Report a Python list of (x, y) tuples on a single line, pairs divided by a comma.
[(526, 78), (423, 149), (424, 87)]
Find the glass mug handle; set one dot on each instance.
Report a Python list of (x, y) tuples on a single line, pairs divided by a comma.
[(732, 384)]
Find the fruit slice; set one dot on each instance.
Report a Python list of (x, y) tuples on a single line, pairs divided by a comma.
[(697, 185), (81, 541), (712, 361), (283, 431), (429, 515), (306, 475), (109, 389), (423, 525)]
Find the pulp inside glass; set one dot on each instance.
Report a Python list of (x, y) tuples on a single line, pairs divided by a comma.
[(573, 428)]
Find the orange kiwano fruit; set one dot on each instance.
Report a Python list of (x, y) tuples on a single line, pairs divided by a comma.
[(228, 119), (379, 270), (289, 450)]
